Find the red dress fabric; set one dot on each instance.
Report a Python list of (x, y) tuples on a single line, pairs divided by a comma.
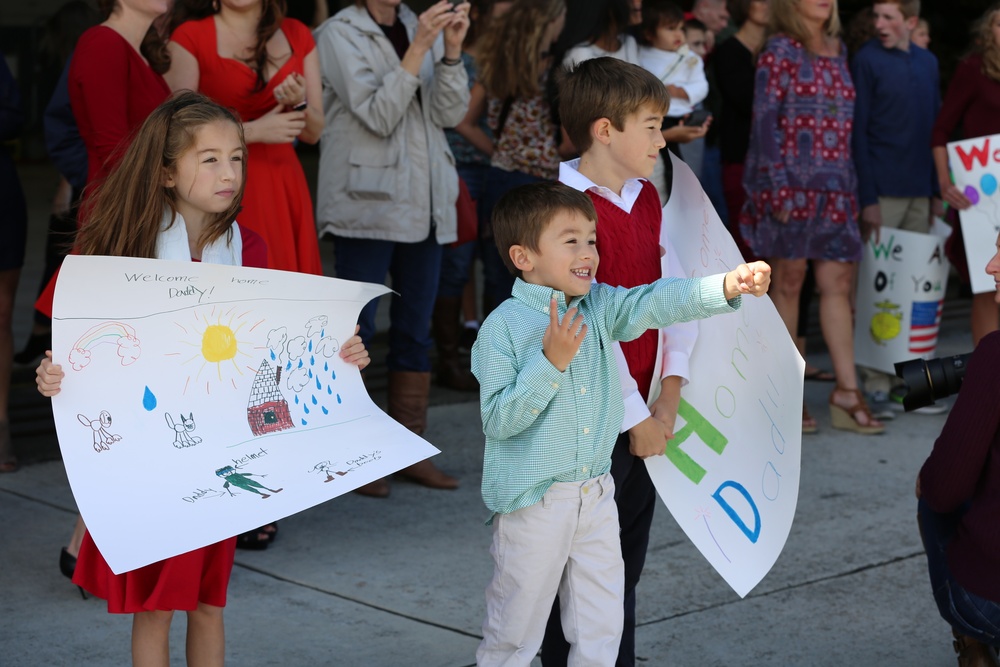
[(112, 90), (178, 583), (629, 246), (276, 202)]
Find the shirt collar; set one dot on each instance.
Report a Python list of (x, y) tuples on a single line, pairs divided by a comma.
[(569, 174), (539, 297)]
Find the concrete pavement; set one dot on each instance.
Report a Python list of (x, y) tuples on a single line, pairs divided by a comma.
[(399, 582)]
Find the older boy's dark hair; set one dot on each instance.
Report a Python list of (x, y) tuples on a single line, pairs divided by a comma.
[(522, 214), (656, 13), (606, 88)]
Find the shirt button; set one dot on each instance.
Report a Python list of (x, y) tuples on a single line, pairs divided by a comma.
[(583, 390), (586, 430), (585, 470), (545, 310), (534, 411), (555, 385)]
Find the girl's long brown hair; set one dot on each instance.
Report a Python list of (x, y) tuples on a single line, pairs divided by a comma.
[(510, 56), (272, 13), (154, 45), (127, 207), (986, 44)]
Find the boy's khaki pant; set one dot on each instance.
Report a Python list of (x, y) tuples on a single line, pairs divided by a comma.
[(566, 543)]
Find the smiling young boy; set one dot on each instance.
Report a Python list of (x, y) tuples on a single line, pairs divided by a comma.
[(551, 404), (612, 112)]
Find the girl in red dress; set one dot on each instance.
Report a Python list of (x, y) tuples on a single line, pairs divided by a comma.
[(178, 186), (245, 55)]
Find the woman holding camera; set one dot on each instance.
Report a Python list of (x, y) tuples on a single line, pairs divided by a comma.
[(959, 500)]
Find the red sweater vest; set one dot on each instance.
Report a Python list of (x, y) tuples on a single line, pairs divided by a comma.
[(629, 247)]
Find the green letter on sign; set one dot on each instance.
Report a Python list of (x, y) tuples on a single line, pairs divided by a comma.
[(694, 422)]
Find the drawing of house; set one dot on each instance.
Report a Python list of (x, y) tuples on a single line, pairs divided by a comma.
[(267, 410)]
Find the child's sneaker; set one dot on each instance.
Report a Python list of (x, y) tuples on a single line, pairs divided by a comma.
[(880, 405)]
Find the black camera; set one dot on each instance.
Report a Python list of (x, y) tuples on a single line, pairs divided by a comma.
[(931, 379)]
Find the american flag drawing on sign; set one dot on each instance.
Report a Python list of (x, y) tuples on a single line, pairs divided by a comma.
[(925, 319)]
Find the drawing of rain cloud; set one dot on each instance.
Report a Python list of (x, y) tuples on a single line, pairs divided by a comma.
[(297, 379), (297, 347), (316, 325), (276, 342), (327, 347)]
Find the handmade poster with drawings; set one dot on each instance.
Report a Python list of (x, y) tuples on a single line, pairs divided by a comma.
[(201, 401), (975, 168), (902, 280), (730, 476)]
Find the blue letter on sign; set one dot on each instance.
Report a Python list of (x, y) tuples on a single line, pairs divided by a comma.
[(751, 535)]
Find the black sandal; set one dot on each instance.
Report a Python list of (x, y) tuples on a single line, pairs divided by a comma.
[(257, 539)]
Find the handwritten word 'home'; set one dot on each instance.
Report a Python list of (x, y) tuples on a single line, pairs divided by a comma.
[(697, 424)]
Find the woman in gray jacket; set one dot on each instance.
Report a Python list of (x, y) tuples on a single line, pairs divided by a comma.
[(392, 81)]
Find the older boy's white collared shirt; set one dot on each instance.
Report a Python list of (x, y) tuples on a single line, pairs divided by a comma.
[(569, 174)]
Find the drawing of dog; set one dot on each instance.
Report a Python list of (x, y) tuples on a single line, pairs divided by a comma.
[(103, 438)]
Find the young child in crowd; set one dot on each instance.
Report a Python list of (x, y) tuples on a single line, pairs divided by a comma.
[(552, 407), (178, 189), (666, 54), (696, 37), (922, 34)]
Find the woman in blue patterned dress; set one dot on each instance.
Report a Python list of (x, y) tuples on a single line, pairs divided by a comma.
[(801, 185)]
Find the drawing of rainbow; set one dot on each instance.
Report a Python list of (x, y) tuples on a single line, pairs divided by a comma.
[(108, 333)]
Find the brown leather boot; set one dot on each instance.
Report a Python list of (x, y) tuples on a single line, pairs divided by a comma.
[(972, 653), (451, 369), (408, 394)]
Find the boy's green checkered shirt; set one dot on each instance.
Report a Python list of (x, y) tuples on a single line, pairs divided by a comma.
[(543, 426)]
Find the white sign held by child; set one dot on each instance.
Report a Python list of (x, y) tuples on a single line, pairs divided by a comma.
[(730, 476), (902, 280), (201, 401), (975, 166)]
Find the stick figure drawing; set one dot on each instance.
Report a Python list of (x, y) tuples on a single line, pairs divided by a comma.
[(243, 481)]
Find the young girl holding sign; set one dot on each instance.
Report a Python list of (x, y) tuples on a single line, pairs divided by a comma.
[(174, 195)]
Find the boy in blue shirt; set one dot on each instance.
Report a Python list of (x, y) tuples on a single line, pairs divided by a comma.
[(551, 414), (898, 97)]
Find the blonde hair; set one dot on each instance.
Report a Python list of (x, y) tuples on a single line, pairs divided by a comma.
[(986, 44), (785, 19), (128, 205), (510, 56)]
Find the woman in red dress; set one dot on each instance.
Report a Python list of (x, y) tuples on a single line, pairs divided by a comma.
[(245, 55), (115, 81)]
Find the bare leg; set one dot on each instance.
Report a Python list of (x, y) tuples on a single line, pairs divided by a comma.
[(77, 537), (787, 276), (151, 638), (835, 281), (984, 315), (8, 286), (206, 638)]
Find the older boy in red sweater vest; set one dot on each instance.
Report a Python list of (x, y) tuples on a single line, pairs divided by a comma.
[(613, 111)]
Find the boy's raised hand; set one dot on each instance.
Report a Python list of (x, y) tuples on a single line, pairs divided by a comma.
[(562, 339), (753, 278)]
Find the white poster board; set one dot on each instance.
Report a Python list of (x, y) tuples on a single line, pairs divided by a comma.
[(201, 401), (975, 168), (731, 474), (902, 280)]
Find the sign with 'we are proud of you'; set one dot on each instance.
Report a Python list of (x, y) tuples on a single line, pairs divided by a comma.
[(975, 168)]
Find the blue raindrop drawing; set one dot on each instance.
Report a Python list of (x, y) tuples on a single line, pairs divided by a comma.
[(338, 399), (329, 389), (305, 408), (310, 373), (315, 402), (326, 366), (310, 345), (296, 399), (272, 355), (304, 422), (312, 359), (300, 363), (319, 385), (288, 366), (325, 411), (148, 400)]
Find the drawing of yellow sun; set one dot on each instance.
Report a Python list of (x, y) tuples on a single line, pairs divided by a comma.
[(216, 335)]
